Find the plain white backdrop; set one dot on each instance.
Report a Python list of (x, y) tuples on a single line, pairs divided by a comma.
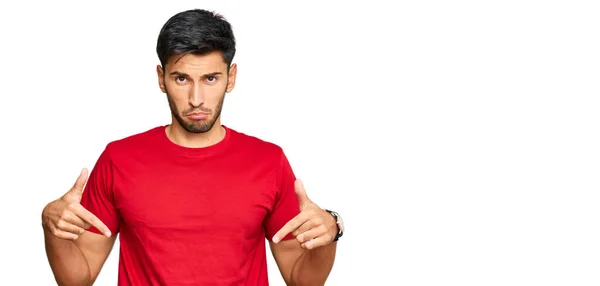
[(458, 139)]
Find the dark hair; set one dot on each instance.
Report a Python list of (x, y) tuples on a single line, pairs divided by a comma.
[(196, 32)]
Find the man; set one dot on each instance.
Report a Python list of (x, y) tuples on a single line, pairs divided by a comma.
[(193, 201)]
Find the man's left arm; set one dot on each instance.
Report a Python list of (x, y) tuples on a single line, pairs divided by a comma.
[(308, 258)]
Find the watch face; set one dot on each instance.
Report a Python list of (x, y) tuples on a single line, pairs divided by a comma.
[(340, 222)]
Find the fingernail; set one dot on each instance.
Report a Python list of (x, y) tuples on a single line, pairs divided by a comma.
[(275, 239), (107, 233)]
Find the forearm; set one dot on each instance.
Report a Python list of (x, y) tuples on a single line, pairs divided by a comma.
[(314, 266), (67, 261)]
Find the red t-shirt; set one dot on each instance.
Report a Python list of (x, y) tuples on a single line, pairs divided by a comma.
[(192, 216)]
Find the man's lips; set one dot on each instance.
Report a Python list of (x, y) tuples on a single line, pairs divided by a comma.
[(197, 116)]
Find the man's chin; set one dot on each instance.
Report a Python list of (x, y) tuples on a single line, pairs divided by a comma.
[(197, 127)]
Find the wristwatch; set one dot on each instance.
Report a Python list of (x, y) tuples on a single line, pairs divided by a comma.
[(339, 222)]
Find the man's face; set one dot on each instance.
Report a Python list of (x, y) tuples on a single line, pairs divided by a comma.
[(195, 86)]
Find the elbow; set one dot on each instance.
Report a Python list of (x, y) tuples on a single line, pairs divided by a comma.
[(308, 282), (74, 280)]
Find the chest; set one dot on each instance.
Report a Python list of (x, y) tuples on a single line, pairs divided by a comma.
[(191, 198)]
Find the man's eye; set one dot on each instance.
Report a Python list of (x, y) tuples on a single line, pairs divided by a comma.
[(180, 78), (211, 78)]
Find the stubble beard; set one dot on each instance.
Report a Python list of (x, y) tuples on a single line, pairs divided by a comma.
[(196, 126)]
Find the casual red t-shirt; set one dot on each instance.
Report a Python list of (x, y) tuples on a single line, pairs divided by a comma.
[(192, 216)]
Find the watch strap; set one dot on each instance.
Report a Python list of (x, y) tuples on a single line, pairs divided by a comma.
[(337, 224)]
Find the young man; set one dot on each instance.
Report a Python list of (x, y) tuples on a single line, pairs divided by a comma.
[(193, 201)]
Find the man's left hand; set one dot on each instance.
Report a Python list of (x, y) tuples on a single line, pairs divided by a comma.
[(313, 227)]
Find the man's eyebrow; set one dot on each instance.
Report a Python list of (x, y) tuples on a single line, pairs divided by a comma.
[(178, 73), (204, 75)]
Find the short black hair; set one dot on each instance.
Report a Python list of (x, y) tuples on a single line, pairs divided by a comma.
[(196, 31)]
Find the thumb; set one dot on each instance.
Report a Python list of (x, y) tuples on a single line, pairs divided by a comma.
[(80, 182), (301, 193)]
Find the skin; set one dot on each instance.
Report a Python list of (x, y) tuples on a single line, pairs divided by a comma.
[(307, 259), (193, 84)]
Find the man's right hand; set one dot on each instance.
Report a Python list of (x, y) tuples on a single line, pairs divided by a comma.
[(66, 218)]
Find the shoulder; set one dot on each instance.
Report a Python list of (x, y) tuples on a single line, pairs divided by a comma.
[(133, 142), (256, 145)]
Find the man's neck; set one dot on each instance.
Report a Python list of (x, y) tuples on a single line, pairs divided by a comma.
[(181, 137)]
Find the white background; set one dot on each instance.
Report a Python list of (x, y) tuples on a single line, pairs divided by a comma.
[(459, 140)]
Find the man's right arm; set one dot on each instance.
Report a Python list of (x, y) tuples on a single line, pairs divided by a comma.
[(75, 254), (77, 262)]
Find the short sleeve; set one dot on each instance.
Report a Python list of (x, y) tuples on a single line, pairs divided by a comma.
[(285, 207), (98, 196)]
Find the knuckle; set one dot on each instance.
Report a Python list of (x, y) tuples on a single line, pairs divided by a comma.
[(61, 223), (318, 221), (65, 213), (68, 198), (315, 224), (72, 206)]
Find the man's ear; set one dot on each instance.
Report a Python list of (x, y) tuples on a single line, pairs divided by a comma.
[(231, 77), (161, 78)]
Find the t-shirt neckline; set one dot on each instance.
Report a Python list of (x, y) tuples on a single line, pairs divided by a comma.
[(192, 151)]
